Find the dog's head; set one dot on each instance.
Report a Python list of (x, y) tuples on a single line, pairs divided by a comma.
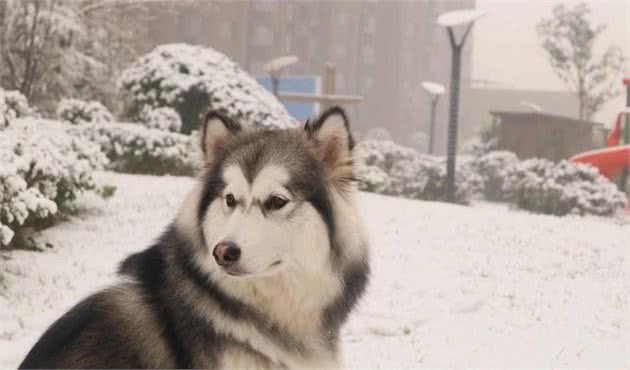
[(267, 198)]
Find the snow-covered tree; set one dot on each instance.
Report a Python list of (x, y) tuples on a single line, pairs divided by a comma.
[(192, 79), (55, 48)]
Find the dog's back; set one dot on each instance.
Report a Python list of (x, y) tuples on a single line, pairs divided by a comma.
[(110, 329)]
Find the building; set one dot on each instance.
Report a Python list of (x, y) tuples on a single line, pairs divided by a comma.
[(382, 49), (483, 100), (543, 135)]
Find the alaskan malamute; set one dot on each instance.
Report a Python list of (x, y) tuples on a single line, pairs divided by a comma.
[(260, 268)]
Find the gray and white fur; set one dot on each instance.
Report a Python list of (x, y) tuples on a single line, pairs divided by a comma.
[(262, 265)]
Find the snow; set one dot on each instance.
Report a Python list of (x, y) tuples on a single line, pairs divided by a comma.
[(42, 167), (433, 88), (78, 112), (163, 118), (385, 167), (451, 286)]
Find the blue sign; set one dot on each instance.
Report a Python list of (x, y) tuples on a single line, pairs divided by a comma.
[(296, 84)]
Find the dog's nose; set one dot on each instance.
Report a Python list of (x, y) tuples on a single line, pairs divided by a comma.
[(226, 253)]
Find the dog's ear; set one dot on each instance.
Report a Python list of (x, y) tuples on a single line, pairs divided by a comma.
[(333, 142), (217, 130)]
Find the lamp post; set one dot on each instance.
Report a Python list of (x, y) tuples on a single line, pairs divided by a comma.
[(451, 20), (435, 90), (275, 66)]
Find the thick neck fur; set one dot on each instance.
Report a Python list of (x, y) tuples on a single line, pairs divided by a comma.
[(295, 300)]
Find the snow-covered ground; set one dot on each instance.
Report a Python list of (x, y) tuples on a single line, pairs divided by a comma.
[(452, 286)]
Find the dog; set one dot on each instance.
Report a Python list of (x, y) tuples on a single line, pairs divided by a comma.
[(260, 268)]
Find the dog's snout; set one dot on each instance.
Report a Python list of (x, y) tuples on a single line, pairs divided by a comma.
[(226, 253)]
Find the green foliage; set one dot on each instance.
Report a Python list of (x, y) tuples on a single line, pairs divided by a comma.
[(107, 191)]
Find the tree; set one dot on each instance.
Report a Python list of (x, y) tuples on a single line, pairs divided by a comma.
[(57, 48), (568, 39)]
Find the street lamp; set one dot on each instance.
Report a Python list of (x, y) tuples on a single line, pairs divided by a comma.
[(435, 90), (451, 20), (275, 67)]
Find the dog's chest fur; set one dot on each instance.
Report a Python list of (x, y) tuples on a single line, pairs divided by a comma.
[(278, 326)]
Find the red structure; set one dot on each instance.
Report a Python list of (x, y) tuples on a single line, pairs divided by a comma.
[(615, 158)]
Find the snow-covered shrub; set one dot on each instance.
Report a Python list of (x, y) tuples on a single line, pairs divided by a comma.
[(13, 104), (493, 167), (43, 168), (382, 153), (542, 186), (17, 103), (4, 116), (133, 148), (419, 140), (477, 147), (78, 112), (424, 177), (386, 167), (372, 179), (163, 118), (378, 133), (192, 79), (487, 140)]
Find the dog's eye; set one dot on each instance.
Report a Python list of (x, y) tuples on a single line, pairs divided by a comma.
[(230, 201), (275, 202)]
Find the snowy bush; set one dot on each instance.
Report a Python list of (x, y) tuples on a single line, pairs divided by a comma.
[(424, 177), (4, 116), (388, 168), (487, 140), (13, 104), (79, 112), (493, 168), (133, 148), (542, 186), (378, 133), (164, 118), (43, 168), (191, 79), (372, 179), (477, 147)]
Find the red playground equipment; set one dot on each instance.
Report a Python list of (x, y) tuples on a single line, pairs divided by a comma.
[(615, 158)]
